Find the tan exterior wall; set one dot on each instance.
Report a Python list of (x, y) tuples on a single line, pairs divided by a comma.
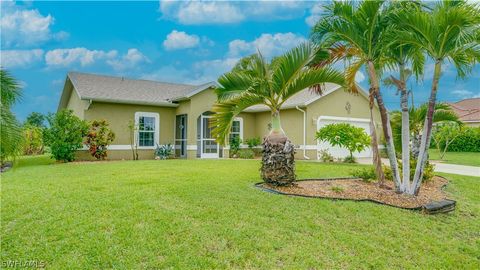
[(472, 124), (77, 105), (120, 115), (117, 155)]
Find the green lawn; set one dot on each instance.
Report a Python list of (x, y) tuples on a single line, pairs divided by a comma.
[(205, 214), (462, 158)]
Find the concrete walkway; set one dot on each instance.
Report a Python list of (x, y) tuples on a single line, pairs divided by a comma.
[(439, 167)]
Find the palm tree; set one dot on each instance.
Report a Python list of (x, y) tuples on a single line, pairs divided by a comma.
[(443, 113), (11, 134), (256, 81), (450, 32), (357, 32)]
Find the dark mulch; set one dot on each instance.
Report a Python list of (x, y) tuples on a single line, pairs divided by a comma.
[(356, 189)]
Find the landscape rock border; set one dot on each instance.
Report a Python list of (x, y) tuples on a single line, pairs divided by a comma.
[(431, 208)]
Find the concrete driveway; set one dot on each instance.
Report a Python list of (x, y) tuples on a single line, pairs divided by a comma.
[(439, 167)]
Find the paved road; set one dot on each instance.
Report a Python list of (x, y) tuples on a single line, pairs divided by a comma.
[(439, 167)]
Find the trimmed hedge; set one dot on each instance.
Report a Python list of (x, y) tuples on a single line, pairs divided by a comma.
[(468, 141)]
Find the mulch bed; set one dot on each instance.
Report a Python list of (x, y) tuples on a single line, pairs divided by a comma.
[(356, 189)]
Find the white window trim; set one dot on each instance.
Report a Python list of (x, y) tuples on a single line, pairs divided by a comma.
[(156, 136), (239, 119)]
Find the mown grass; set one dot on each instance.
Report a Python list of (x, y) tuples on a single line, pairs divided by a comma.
[(204, 214), (461, 158)]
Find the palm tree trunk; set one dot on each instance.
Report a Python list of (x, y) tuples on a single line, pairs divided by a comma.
[(278, 159), (387, 129), (405, 132), (427, 131), (377, 161)]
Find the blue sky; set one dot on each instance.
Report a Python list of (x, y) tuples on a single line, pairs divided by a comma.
[(185, 42)]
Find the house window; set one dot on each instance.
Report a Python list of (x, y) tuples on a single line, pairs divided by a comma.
[(148, 127), (237, 129)]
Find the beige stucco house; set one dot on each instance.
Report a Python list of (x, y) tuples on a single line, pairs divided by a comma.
[(179, 114)]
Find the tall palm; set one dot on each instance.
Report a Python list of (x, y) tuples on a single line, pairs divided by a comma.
[(449, 32), (256, 81), (11, 134), (357, 31)]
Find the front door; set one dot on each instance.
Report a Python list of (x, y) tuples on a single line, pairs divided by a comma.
[(209, 148), (181, 136)]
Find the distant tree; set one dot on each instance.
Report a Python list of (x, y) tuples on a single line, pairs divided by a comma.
[(35, 119), (353, 138), (444, 134)]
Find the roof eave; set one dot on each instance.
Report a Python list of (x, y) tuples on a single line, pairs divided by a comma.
[(201, 88), (134, 102)]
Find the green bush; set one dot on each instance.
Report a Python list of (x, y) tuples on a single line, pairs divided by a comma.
[(98, 138), (164, 151), (253, 142), (246, 154), (467, 141), (65, 134), (428, 173), (366, 174), (235, 143), (33, 144), (349, 159)]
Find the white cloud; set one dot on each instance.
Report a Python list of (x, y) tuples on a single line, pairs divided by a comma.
[(224, 12), (268, 44), (180, 40), (20, 58), (462, 94), (315, 14), (131, 59), (359, 77), (25, 27), (82, 56)]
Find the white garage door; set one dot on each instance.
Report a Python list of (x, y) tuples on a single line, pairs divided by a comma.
[(337, 151)]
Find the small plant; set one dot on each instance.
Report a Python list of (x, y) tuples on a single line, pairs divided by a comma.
[(349, 159), (445, 134), (325, 156), (65, 134), (353, 138), (366, 174), (98, 138), (337, 189), (132, 129), (246, 154), (33, 144), (163, 151), (235, 143), (253, 142)]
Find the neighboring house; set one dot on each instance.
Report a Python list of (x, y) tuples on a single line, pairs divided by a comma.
[(468, 111), (179, 114)]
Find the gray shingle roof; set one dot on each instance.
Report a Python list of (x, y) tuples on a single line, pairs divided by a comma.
[(123, 90), (301, 99)]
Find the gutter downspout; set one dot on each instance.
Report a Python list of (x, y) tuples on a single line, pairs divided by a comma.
[(304, 132)]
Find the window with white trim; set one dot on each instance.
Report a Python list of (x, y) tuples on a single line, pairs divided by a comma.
[(237, 129), (148, 127)]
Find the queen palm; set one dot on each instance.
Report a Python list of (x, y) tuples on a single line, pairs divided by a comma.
[(11, 134), (357, 32), (256, 81), (450, 31)]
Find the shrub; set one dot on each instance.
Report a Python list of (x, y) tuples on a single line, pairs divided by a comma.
[(467, 141), (349, 159), (98, 138), (337, 189), (235, 143), (253, 142), (428, 173), (65, 134), (164, 151), (325, 156), (246, 154), (366, 174), (33, 144), (353, 138)]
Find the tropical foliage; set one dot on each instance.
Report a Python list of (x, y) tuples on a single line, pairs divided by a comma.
[(33, 144), (164, 151), (11, 135), (353, 138), (98, 138), (467, 141), (256, 81), (65, 134), (443, 135)]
